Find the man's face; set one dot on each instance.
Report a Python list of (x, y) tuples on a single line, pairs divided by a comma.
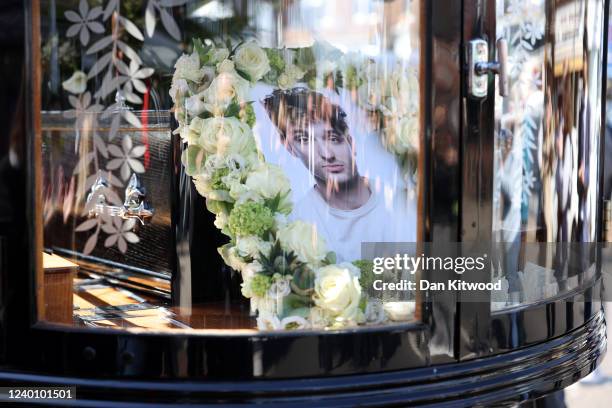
[(326, 152)]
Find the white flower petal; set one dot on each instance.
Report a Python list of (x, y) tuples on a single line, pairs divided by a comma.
[(136, 166)]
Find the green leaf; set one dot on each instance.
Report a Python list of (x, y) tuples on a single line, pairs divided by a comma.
[(244, 75), (233, 110), (202, 50), (330, 258)]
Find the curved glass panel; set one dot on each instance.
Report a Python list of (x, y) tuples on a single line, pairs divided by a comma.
[(547, 148), (218, 164)]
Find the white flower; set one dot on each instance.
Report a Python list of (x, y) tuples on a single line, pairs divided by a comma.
[(252, 60), (318, 318), (194, 105), (126, 158), (294, 323), (233, 259), (226, 66), (221, 219), (77, 83), (84, 22), (252, 246), (188, 67), (402, 136), (285, 81), (374, 312), (225, 136), (225, 88), (303, 240), (268, 321), (178, 89), (249, 270), (338, 292), (280, 287), (293, 71), (191, 133), (219, 54), (268, 180)]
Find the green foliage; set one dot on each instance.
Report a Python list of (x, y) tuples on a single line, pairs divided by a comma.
[(280, 261), (278, 204), (367, 275), (250, 218), (277, 63), (260, 284), (247, 114), (216, 179), (233, 110), (202, 50)]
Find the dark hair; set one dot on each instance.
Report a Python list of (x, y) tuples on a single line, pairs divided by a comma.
[(293, 105)]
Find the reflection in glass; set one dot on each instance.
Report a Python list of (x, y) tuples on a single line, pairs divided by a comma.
[(547, 145), (328, 92)]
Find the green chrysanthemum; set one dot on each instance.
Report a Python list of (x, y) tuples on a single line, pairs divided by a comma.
[(367, 275), (250, 219), (247, 115), (260, 285), (216, 181), (276, 60)]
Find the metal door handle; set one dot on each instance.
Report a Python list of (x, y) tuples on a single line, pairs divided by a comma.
[(480, 67)]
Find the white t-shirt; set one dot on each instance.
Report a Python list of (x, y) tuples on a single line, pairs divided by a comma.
[(378, 220)]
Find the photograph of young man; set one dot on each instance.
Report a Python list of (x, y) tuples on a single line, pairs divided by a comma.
[(346, 206)]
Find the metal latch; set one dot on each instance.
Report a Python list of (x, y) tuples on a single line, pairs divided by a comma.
[(479, 67)]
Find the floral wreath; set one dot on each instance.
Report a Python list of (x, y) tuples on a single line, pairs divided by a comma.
[(289, 275)]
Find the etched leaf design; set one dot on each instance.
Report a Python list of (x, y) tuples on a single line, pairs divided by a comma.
[(87, 225), (131, 28), (172, 3), (132, 119), (100, 44), (169, 24), (83, 163), (110, 7), (100, 64), (129, 52), (150, 20), (90, 244), (114, 128), (99, 143)]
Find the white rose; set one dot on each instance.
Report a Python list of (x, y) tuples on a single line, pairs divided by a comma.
[(194, 105), (178, 89), (409, 133), (221, 219), (232, 258), (76, 84), (285, 81), (188, 67), (250, 270), (293, 71), (208, 74), (252, 60), (268, 180), (338, 292), (268, 321), (225, 136), (226, 66), (403, 86), (225, 88), (252, 246), (303, 240), (219, 54), (294, 323)]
